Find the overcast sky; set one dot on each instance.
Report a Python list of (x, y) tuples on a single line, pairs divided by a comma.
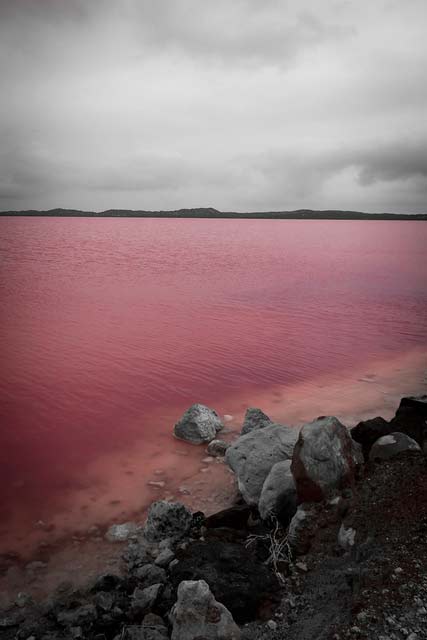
[(235, 104)]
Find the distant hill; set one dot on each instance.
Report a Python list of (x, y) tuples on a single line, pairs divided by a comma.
[(209, 212)]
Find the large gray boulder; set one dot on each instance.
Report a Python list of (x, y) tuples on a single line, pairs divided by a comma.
[(197, 615), (391, 445), (279, 496), (254, 419), (253, 455), (167, 520), (198, 424), (324, 460)]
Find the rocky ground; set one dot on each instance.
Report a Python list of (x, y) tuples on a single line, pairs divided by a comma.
[(351, 562)]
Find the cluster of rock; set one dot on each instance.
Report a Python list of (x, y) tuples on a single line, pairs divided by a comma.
[(189, 577)]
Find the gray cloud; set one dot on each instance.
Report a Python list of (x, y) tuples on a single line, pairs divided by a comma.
[(241, 105)]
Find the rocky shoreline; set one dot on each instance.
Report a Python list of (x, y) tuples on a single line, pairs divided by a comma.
[(327, 540)]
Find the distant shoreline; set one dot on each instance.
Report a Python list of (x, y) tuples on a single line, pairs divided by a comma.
[(299, 214)]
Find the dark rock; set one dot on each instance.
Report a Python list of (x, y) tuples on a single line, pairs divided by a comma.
[(392, 445), (198, 424), (411, 418), (107, 582), (83, 615), (234, 518), (236, 577), (368, 431), (167, 520), (143, 600), (254, 419), (150, 574), (217, 448), (324, 460)]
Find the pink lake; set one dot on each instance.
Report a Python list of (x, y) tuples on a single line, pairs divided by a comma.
[(111, 328)]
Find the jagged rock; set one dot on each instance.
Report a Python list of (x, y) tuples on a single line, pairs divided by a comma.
[(198, 424), (164, 558), (235, 517), (121, 532), (149, 574), (77, 617), (107, 582), (234, 573), (217, 448), (197, 615), (391, 445), (411, 419), (138, 553), (167, 520), (368, 431), (253, 455), (104, 600), (324, 460), (143, 600), (302, 528), (278, 496), (254, 419)]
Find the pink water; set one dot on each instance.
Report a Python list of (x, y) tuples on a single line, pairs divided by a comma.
[(110, 328)]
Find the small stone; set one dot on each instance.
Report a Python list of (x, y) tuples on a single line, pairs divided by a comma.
[(164, 558), (271, 624), (398, 570), (156, 483), (355, 630), (23, 599), (301, 566), (184, 491)]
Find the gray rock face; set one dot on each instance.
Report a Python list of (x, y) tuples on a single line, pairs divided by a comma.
[(197, 615), (198, 424), (391, 445), (324, 459), (167, 520), (254, 419), (278, 493), (217, 448), (144, 599), (253, 455)]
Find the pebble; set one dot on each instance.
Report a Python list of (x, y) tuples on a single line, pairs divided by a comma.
[(208, 459), (157, 483), (301, 566), (271, 624)]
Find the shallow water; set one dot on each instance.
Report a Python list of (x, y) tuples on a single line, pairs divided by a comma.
[(110, 328)]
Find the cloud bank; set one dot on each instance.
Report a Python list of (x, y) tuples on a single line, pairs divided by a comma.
[(243, 105)]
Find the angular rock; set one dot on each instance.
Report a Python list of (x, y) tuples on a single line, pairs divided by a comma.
[(164, 558), (368, 431), (279, 496), (107, 582), (198, 424), (254, 419), (233, 518), (197, 615), (143, 600), (121, 532), (234, 573), (77, 617), (167, 520), (253, 455), (149, 574), (389, 446), (324, 460), (217, 448), (411, 418)]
